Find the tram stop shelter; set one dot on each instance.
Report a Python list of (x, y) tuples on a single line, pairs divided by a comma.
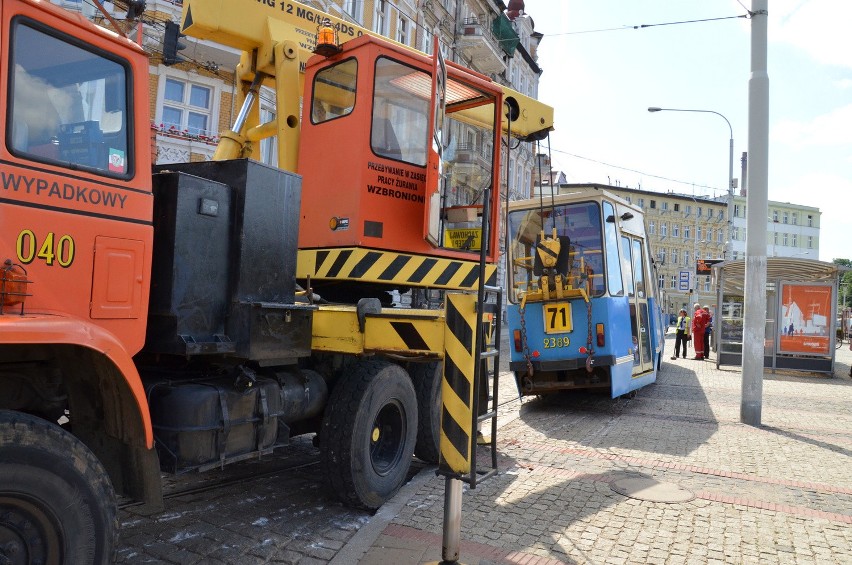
[(801, 313)]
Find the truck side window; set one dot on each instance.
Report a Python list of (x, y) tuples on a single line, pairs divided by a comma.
[(400, 112), (334, 91), (68, 104)]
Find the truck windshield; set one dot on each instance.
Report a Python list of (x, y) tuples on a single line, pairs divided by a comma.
[(68, 104)]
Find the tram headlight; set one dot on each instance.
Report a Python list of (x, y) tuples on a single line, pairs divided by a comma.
[(516, 338), (599, 331)]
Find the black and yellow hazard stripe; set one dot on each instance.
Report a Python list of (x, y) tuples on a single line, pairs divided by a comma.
[(414, 334), (390, 267), (457, 388)]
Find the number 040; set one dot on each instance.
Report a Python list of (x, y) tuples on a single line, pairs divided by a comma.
[(52, 249)]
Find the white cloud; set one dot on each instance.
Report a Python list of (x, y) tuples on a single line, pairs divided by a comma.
[(818, 27), (833, 128)]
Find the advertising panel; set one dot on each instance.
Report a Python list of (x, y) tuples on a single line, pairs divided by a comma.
[(804, 323)]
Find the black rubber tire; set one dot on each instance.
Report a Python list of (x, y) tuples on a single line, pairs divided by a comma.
[(427, 379), (57, 504), (368, 433)]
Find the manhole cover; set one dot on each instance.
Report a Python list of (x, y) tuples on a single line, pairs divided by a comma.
[(651, 490)]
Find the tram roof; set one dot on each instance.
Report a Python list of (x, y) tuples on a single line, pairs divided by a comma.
[(732, 273)]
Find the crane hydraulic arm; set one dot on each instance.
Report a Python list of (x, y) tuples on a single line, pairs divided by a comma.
[(279, 36)]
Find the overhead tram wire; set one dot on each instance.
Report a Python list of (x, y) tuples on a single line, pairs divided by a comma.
[(645, 26), (689, 183)]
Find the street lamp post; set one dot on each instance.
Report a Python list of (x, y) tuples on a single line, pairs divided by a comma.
[(730, 194)]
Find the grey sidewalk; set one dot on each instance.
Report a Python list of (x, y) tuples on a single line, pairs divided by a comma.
[(778, 493)]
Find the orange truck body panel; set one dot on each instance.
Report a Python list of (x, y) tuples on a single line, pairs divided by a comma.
[(85, 239)]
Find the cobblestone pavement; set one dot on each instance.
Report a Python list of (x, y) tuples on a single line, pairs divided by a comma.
[(778, 493)]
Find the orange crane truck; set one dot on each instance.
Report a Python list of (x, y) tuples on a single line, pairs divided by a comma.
[(208, 312)]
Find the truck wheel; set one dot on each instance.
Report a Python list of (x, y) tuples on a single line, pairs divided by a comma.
[(57, 504), (427, 384), (368, 433)]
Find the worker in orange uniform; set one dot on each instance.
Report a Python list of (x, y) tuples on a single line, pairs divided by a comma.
[(699, 323)]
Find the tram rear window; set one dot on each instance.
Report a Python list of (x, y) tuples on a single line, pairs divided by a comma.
[(581, 222)]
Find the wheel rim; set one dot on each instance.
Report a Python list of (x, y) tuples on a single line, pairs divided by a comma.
[(29, 533), (387, 438)]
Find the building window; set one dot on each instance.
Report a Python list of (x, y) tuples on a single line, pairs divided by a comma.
[(664, 205), (675, 230), (402, 30), (688, 209), (187, 107), (698, 233), (707, 284), (664, 229), (721, 215), (795, 219), (641, 202), (674, 256), (661, 281), (673, 281), (719, 236), (686, 232), (795, 240), (735, 234), (686, 257), (709, 212), (427, 40), (698, 211), (775, 238), (652, 228), (775, 216), (677, 207), (653, 204), (810, 242), (786, 218), (810, 221), (736, 210), (353, 8), (381, 22), (785, 240)]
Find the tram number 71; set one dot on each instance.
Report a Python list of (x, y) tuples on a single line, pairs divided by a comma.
[(557, 317)]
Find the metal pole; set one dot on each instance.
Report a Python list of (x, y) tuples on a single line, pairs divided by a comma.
[(730, 200), (452, 520), (754, 331)]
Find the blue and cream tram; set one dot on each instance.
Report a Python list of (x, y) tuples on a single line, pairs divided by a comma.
[(583, 308)]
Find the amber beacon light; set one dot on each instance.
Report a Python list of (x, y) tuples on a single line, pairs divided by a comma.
[(327, 39)]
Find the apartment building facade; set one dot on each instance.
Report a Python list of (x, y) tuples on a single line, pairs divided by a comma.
[(193, 101), (792, 230)]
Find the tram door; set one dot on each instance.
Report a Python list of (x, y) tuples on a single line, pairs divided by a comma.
[(633, 268)]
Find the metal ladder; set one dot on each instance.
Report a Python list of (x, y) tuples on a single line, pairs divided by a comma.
[(486, 351)]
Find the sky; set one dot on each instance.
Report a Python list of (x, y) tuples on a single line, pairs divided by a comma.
[(601, 84)]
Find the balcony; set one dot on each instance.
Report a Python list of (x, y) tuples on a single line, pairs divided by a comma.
[(478, 44)]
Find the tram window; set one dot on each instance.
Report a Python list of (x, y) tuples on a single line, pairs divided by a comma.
[(639, 268), (580, 222), (613, 265), (626, 265)]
